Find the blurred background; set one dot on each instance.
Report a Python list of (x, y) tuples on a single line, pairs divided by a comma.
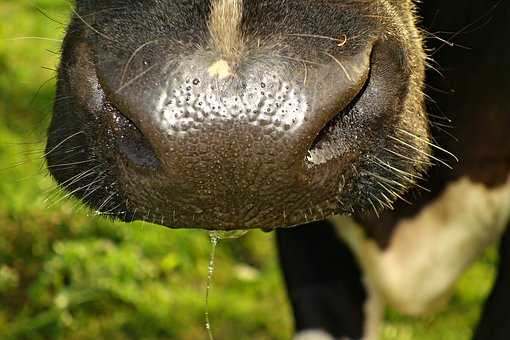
[(67, 274)]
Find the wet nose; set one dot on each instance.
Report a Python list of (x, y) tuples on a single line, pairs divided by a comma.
[(256, 112), (233, 139)]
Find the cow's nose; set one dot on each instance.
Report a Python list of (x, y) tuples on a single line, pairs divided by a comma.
[(205, 106), (222, 135)]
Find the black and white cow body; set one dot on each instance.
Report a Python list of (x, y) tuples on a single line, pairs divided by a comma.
[(232, 114), (412, 255)]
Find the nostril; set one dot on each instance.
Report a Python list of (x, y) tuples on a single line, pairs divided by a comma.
[(129, 140), (325, 146)]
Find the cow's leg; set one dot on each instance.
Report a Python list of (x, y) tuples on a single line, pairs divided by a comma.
[(323, 281), (495, 320)]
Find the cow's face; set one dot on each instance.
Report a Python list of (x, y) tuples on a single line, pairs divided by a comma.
[(228, 114)]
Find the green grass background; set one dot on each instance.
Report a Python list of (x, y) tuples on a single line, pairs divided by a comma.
[(65, 274)]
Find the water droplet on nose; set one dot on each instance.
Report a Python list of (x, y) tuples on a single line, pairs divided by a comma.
[(196, 81)]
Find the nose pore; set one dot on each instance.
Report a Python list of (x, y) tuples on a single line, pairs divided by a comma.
[(193, 103)]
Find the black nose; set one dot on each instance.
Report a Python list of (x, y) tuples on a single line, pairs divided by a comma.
[(207, 103), (230, 138)]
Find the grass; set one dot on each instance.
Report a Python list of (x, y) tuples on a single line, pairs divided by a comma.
[(65, 274)]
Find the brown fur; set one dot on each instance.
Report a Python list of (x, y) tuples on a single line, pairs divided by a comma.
[(225, 28)]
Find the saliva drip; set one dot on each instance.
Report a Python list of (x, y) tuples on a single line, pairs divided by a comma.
[(215, 236)]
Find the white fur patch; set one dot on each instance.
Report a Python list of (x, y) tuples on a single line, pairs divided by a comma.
[(428, 253), (220, 69)]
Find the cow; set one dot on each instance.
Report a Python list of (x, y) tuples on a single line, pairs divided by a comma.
[(311, 114)]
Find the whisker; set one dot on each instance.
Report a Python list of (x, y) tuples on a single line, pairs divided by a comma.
[(133, 55), (62, 142), (122, 87), (33, 38), (421, 151), (341, 42), (373, 206), (48, 17), (413, 161), (72, 163), (91, 27), (431, 144), (399, 171), (340, 64), (393, 193)]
